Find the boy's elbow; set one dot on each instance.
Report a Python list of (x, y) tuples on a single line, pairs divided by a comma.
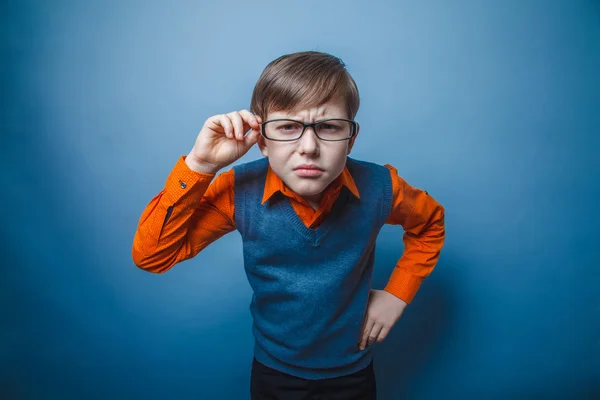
[(147, 263)]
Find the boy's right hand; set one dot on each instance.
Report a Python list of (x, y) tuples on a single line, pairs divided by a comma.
[(222, 140)]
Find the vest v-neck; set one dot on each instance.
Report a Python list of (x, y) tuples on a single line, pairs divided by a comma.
[(314, 235)]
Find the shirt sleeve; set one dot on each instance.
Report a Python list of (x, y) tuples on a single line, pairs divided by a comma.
[(422, 219), (192, 211)]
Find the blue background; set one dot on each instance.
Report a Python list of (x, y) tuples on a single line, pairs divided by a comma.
[(492, 107)]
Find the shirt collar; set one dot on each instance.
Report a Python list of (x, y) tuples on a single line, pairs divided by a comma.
[(274, 184)]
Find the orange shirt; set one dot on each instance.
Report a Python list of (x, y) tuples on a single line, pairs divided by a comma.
[(194, 210)]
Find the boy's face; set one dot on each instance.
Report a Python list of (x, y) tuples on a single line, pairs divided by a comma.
[(285, 158)]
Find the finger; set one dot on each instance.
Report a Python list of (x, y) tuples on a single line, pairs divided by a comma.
[(226, 125), (366, 332), (383, 334), (250, 119), (238, 125), (374, 333), (214, 123)]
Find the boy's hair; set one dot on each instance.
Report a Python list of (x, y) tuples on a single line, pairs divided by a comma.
[(303, 79)]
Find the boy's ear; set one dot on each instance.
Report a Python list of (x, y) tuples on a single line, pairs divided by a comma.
[(263, 146), (353, 138)]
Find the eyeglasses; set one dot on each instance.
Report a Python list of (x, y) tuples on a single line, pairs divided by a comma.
[(287, 130)]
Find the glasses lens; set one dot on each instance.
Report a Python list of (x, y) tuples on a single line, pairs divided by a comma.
[(334, 129), (283, 130), (331, 129)]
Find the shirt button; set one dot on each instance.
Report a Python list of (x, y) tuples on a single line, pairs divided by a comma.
[(183, 185)]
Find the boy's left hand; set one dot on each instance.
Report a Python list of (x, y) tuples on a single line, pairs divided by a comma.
[(383, 310)]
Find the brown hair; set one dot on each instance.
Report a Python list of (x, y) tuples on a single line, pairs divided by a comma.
[(303, 79)]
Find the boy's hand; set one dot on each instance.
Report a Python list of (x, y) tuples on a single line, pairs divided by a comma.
[(383, 311), (221, 141)]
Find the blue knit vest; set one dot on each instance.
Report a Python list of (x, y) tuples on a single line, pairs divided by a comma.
[(311, 286)]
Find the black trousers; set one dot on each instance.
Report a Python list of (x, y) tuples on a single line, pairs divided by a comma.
[(269, 384)]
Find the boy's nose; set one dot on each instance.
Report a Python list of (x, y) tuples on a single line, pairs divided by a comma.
[(309, 142)]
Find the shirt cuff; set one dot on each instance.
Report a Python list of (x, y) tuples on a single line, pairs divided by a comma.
[(403, 285), (185, 186)]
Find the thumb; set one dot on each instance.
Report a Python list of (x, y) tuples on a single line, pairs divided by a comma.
[(251, 138)]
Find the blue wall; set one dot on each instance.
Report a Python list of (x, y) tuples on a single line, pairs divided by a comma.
[(492, 107)]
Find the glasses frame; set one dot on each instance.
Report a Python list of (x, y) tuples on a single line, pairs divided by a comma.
[(313, 125)]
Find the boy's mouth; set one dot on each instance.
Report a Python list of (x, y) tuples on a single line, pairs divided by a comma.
[(308, 170)]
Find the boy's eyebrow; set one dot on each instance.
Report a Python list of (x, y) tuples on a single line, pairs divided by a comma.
[(319, 118), (322, 115)]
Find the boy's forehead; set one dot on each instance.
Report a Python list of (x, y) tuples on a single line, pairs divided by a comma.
[(309, 111), (298, 111)]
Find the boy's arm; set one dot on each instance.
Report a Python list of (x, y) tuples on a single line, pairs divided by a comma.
[(422, 218), (184, 218)]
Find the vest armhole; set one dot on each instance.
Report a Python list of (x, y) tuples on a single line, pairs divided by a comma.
[(381, 174), (238, 199), (387, 196)]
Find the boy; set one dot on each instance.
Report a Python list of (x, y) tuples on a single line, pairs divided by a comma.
[(309, 216)]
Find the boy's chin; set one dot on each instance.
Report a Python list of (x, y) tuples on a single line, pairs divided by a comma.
[(313, 190)]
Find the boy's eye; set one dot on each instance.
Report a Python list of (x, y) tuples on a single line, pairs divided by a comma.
[(331, 127), (289, 127)]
